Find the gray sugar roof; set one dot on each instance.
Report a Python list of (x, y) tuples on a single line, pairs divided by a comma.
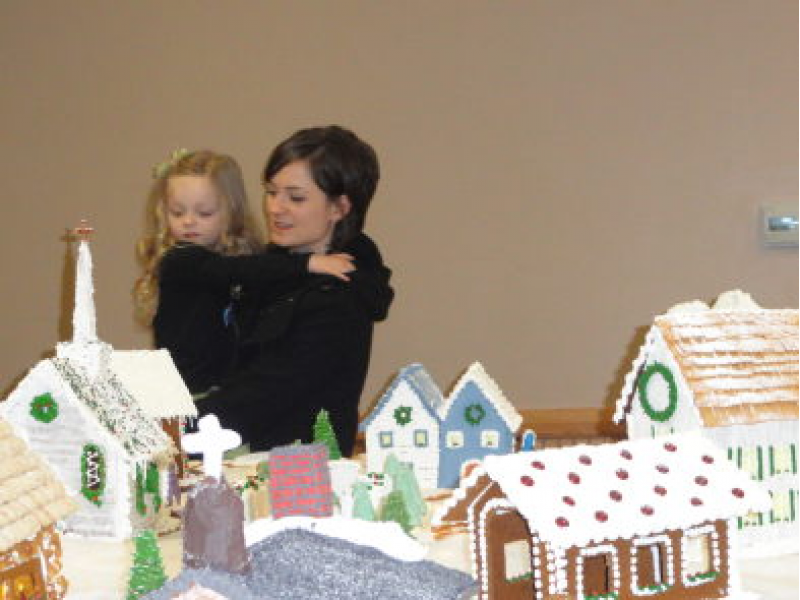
[(297, 564)]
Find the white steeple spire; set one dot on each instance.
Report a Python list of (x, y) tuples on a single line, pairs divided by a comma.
[(85, 349), (84, 319)]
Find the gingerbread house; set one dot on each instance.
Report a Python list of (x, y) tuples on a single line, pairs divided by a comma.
[(477, 420), (32, 500), (405, 423), (731, 372), (626, 520), (79, 415)]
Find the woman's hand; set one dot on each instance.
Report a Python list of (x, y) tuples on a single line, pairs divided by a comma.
[(336, 265)]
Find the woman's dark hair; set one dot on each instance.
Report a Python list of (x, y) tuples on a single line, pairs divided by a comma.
[(340, 164)]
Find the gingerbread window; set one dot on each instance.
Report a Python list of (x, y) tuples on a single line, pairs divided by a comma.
[(653, 565), (517, 555), (700, 555), (454, 439)]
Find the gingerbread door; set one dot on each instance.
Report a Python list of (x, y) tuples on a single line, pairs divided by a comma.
[(508, 554)]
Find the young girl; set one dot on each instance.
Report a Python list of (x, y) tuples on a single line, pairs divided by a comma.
[(200, 247)]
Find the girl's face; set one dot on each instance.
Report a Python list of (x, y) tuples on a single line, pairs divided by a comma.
[(299, 215), (194, 210)]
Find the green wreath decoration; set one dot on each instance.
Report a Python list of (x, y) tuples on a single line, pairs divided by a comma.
[(474, 414), (402, 415), (658, 415), (44, 408)]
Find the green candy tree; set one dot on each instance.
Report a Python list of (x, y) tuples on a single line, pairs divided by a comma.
[(147, 573), (324, 434)]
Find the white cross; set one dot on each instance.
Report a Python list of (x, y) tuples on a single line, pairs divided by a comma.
[(211, 441)]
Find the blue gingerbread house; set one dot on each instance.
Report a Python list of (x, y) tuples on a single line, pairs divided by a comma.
[(477, 421)]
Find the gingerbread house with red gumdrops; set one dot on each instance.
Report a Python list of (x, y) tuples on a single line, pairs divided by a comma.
[(622, 521)]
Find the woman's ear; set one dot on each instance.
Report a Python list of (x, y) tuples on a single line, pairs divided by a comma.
[(343, 206)]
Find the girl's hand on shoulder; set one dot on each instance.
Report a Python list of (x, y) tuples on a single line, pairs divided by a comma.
[(335, 265)]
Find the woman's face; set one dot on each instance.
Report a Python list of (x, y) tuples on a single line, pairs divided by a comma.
[(299, 215)]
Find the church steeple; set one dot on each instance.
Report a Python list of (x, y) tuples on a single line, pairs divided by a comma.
[(85, 349), (84, 317)]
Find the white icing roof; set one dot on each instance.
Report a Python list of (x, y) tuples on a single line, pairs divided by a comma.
[(151, 376), (575, 495), (478, 375)]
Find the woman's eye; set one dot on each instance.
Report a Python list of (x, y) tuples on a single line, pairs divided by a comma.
[(294, 198)]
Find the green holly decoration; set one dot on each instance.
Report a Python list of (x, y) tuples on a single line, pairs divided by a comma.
[(93, 473), (44, 408), (324, 434), (152, 485), (147, 573), (141, 507), (402, 415), (664, 415), (474, 414)]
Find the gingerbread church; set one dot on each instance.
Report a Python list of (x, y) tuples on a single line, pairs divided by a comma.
[(87, 418)]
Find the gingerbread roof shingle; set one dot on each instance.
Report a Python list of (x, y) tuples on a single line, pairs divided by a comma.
[(742, 366), (31, 497)]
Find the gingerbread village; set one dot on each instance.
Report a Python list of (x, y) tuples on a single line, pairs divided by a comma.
[(451, 498)]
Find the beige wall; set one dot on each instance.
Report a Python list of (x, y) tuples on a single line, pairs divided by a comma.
[(555, 173)]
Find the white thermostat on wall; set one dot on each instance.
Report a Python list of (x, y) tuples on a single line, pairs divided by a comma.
[(779, 224)]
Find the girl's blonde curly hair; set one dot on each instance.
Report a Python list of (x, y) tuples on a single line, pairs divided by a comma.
[(240, 234)]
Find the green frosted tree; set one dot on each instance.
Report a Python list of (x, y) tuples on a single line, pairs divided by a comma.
[(147, 573), (394, 509), (405, 482), (324, 434), (362, 503)]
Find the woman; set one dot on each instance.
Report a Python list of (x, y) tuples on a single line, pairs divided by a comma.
[(310, 348)]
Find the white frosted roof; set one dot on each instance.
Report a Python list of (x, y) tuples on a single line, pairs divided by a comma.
[(575, 495), (151, 376)]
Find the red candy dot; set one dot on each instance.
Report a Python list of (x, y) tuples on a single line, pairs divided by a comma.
[(601, 516), (585, 460), (538, 465), (670, 447), (568, 500), (525, 480), (647, 510), (738, 492), (662, 469), (696, 502), (622, 473), (562, 522), (700, 480), (708, 459), (574, 478), (625, 454), (660, 490), (615, 495)]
